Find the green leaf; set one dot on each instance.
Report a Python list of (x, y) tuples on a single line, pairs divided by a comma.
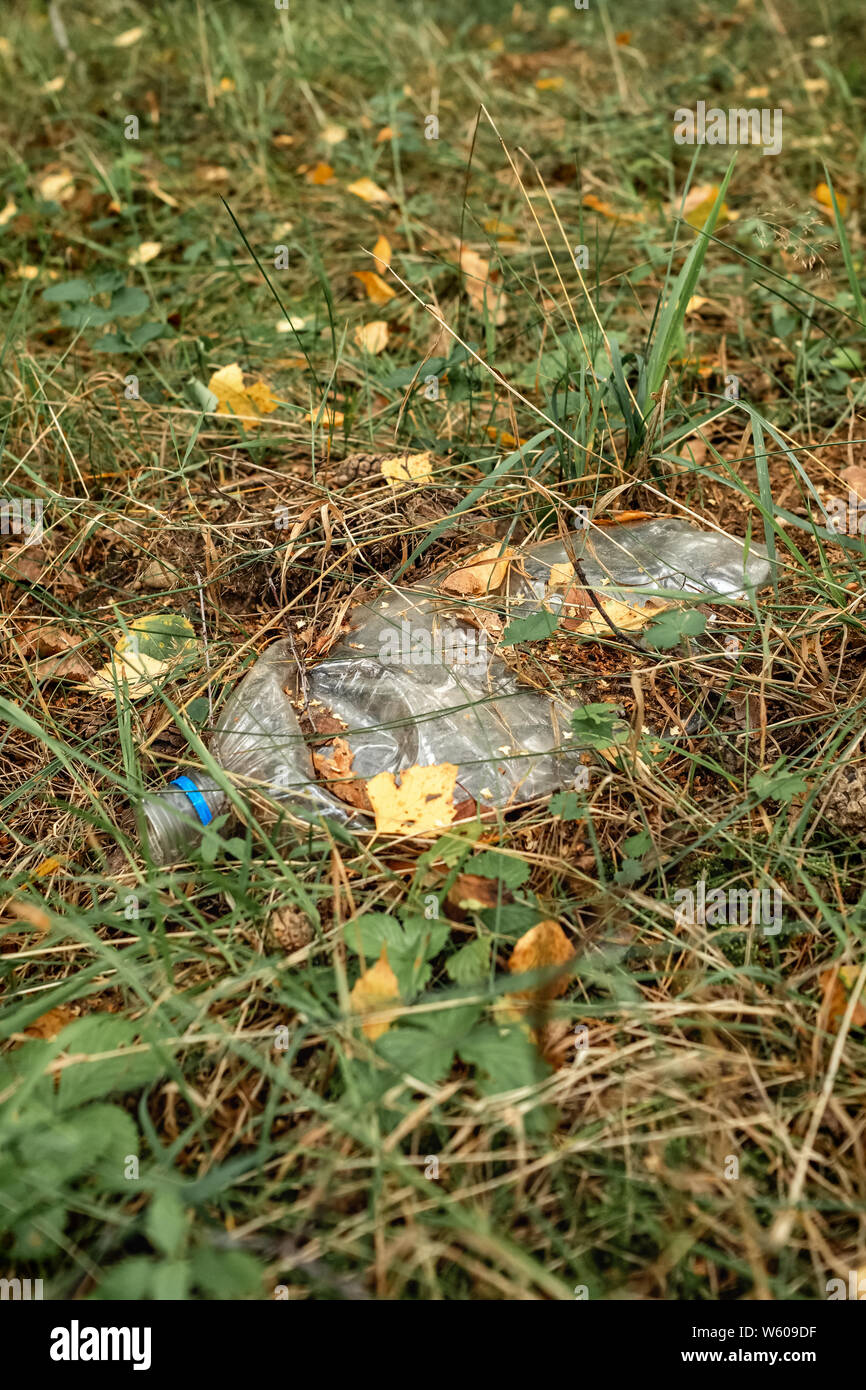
[(227, 1273), (598, 726), (165, 1223), (129, 1281), (534, 628), (506, 1057), (92, 1075), (171, 1281), (68, 292), (508, 869), (129, 301), (567, 805), (671, 626), (629, 872), (85, 316), (148, 333), (777, 785), (112, 342), (471, 963)]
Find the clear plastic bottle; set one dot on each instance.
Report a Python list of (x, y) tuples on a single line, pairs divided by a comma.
[(259, 743)]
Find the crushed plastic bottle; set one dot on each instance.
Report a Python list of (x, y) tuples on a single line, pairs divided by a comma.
[(416, 682)]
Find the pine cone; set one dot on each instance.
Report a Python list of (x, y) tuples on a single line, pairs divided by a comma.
[(290, 928), (845, 808)]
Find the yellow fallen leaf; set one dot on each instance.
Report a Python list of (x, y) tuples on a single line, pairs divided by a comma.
[(821, 193), (249, 403), (373, 336), (381, 254), (542, 948), (8, 212), (369, 191), (699, 204), (153, 645), (320, 174), (501, 230), (47, 866), (377, 290), (482, 574), (128, 37), (167, 198), (561, 575), (550, 84), (407, 469), (696, 302), (600, 206), (136, 671), (145, 253), (627, 617), (327, 419), (54, 84), (423, 802), (376, 988), (484, 296), (26, 272), (558, 15), (56, 187), (504, 438), (334, 134), (29, 912)]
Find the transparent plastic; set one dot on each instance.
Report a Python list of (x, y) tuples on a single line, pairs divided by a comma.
[(416, 681)]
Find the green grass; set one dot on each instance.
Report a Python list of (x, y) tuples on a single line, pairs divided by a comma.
[(204, 1118)]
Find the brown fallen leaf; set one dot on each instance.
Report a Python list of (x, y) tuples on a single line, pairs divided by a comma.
[(336, 769), (483, 574), (375, 989), (837, 992), (50, 1024), (542, 948), (248, 403), (581, 615), (64, 666), (377, 290), (473, 893), (855, 477), (31, 564), (423, 802), (484, 294)]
